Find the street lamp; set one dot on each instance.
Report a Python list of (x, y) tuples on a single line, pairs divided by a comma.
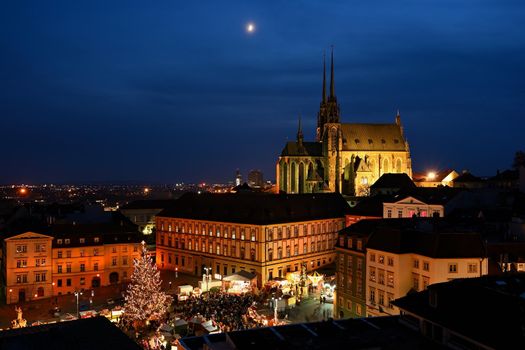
[(176, 272), (10, 295), (77, 294), (207, 276), (275, 302)]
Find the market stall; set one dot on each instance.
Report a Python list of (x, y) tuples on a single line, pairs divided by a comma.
[(239, 282)]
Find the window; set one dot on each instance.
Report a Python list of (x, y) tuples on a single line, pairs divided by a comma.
[(82, 240), (124, 260), (288, 251), (21, 248), (82, 267), (390, 279), (399, 213), (95, 266), (40, 247), (21, 263), (59, 268), (270, 254), (43, 276), (37, 277), (68, 268), (389, 213), (452, 268), (68, 253), (59, 241), (372, 297), (68, 241), (359, 244), (381, 259), (416, 263), (472, 268), (233, 234), (95, 251), (373, 274), (426, 282), (426, 265), (296, 249), (381, 276), (59, 254), (253, 236), (372, 257), (381, 297), (218, 249), (96, 239), (415, 281), (68, 282), (390, 261), (350, 243), (359, 265), (59, 282), (81, 252), (114, 249), (114, 261), (242, 234), (389, 299), (82, 281)]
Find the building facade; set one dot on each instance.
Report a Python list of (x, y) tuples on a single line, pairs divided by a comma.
[(345, 158), (71, 258), (265, 234), (27, 267), (400, 261)]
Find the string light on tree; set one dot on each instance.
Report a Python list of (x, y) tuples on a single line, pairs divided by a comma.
[(144, 299)]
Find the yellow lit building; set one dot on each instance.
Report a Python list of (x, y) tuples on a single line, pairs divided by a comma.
[(265, 234), (346, 157), (404, 260), (26, 267)]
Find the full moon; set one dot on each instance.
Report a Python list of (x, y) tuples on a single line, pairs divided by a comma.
[(250, 27)]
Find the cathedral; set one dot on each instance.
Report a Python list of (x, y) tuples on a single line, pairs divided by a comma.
[(345, 158)]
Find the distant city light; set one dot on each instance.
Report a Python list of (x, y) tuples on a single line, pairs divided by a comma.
[(431, 175), (23, 191), (146, 190)]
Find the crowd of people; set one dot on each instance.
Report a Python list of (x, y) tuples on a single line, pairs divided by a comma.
[(227, 312)]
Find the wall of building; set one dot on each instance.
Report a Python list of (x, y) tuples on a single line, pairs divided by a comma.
[(267, 250)]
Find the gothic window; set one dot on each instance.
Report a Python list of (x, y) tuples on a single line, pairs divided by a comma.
[(386, 168), (398, 166)]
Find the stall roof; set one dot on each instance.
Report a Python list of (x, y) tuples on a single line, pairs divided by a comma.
[(240, 276)]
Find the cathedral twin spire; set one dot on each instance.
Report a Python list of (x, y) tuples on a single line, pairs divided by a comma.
[(329, 109)]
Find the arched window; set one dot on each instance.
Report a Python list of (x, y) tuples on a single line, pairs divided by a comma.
[(386, 168), (398, 165)]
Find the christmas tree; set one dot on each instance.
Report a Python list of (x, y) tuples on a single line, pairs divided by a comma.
[(144, 299)]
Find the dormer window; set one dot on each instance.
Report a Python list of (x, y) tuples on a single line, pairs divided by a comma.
[(68, 241), (82, 240), (370, 141), (356, 140), (59, 241), (396, 141), (96, 239), (383, 141)]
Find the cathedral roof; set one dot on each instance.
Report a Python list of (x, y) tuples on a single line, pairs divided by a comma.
[(292, 148), (372, 137)]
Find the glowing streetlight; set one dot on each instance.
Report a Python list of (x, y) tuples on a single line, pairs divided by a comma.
[(431, 175), (10, 294), (146, 190), (23, 191), (77, 294)]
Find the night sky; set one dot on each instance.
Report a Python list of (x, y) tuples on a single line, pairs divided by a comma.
[(169, 91)]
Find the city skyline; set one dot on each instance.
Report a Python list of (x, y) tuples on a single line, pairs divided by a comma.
[(170, 92)]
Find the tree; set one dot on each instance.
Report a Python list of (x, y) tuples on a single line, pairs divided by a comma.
[(144, 299)]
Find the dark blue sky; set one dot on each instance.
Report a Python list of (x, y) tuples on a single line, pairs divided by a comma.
[(167, 91)]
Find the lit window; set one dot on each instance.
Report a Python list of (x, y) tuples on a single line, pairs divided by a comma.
[(452, 268)]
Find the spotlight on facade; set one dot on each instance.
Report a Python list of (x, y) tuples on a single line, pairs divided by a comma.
[(431, 175)]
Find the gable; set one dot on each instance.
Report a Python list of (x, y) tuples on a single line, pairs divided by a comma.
[(28, 235), (410, 200)]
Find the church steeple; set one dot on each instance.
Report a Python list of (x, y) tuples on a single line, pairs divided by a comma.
[(332, 82), (300, 137), (324, 79)]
